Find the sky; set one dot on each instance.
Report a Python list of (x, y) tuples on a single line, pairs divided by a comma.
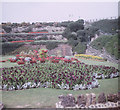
[(57, 11)]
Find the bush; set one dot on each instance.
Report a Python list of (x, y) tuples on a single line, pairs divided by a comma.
[(73, 43), (9, 47), (65, 23), (75, 26), (43, 38), (51, 45), (38, 43), (80, 48), (66, 33), (7, 28)]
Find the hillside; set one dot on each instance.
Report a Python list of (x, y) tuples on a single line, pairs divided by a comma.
[(107, 25), (107, 43)]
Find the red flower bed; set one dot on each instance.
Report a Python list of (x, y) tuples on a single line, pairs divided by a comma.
[(3, 61), (78, 61), (42, 60), (67, 61), (12, 60), (61, 58), (45, 51), (74, 59), (55, 61), (47, 58), (33, 61), (18, 55), (20, 62), (27, 55), (22, 59), (35, 51), (22, 41)]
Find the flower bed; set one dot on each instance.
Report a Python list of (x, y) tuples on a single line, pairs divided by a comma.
[(3, 61), (62, 75), (39, 32), (90, 57), (36, 56), (22, 41)]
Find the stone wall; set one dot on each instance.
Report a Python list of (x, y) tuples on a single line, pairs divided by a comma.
[(89, 101)]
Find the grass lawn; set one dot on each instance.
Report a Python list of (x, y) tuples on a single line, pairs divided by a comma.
[(6, 64), (47, 97), (92, 62)]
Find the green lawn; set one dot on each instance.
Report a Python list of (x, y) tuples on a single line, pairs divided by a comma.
[(6, 64), (47, 97), (92, 62)]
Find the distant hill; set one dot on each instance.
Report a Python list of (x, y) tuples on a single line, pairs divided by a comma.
[(107, 25)]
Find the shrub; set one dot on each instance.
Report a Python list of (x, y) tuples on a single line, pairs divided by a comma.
[(43, 53), (7, 28), (43, 38), (73, 43), (75, 26), (80, 48), (9, 47), (51, 45)]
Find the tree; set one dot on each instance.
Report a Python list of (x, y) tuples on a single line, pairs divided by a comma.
[(81, 32), (80, 21), (81, 35), (29, 29), (80, 48), (66, 33), (107, 25), (75, 26), (73, 43), (90, 32), (7, 29), (65, 23)]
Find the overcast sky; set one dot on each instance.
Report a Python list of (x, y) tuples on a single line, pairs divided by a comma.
[(57, 11)]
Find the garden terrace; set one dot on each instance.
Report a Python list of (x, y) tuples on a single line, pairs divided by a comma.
[(26, 36), (62, 75)]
